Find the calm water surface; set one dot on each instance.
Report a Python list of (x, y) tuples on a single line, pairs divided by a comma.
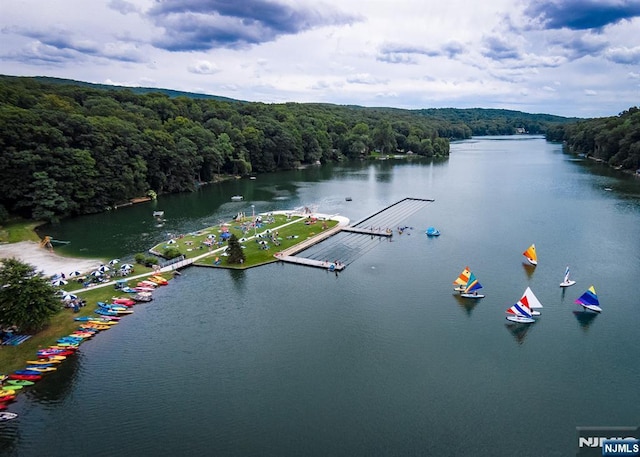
[(382, 359)]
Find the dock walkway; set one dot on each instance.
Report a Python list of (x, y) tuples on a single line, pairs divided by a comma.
[(366, 231)]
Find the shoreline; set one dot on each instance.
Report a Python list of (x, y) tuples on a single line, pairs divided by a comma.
[(43, 260)]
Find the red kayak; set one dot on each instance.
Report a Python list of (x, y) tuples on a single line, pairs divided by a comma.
[(26, 377), (7, 398), (123, 301), (3, 406)]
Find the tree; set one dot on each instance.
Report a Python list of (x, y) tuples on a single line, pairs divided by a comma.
[(236, 254), (27, 299)]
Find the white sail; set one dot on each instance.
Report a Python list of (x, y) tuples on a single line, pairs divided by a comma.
[(533, 301)]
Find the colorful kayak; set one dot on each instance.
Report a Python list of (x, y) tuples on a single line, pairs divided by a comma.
[(43, 362), (41, 369), (27, 377), (9, 390), (20, 382)]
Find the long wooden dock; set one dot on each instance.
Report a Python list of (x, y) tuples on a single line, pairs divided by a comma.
[(331, 266), (368, 231)]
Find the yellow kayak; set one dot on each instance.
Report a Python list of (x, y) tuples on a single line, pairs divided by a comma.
[(43, 361), (43, 369)]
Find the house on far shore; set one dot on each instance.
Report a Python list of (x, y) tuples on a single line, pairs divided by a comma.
[(520, 131)]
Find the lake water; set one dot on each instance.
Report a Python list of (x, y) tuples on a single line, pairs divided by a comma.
[(382, 359)]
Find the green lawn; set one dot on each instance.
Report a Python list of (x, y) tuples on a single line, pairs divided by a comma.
[(290, 231), (15, 231)]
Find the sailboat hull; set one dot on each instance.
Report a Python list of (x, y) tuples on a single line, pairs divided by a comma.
[(472, 295), (567, 283), (521, 319), (594, 308), (532, 262)]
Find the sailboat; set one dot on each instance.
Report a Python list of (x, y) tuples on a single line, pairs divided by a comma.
[(589, 300), (461, 281), (520, 312), (532, 301), (531, 255), (470, 290), (567, 282)]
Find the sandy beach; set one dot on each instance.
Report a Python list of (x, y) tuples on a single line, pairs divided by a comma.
[(49, 262)]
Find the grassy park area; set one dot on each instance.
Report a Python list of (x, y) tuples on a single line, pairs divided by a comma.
[(275, 233)]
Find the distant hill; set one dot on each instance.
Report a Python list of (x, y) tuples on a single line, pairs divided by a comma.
[(136, 90)]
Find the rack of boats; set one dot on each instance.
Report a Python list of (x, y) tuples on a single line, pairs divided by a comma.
[(527, 308), (48, 359)]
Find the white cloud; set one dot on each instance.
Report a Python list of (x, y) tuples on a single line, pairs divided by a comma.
[(406, 53), (203, 67)]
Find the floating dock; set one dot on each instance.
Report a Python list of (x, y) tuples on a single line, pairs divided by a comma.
[(331, 266)]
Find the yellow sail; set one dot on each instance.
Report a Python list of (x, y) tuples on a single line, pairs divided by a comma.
[(463, 278), (531, 255)]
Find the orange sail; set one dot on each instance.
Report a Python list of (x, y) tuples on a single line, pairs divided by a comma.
[(531, 255), (463, 278)]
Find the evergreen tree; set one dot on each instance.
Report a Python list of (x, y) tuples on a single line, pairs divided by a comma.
[(236, 254)]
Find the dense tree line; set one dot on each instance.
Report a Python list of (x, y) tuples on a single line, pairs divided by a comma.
[(73, 148), (615, 140)]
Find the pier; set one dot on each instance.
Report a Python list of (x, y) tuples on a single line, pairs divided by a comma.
[(368, 231), (346, 242)]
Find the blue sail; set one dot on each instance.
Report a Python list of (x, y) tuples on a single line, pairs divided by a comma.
[(472, 284)]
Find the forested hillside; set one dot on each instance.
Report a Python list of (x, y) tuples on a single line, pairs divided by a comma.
[(615, 140), (72, 148)]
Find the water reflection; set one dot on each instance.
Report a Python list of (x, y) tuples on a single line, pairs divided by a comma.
[(585, 318), (238, 278), (467, 304), (55, 387), (528, 269), (518, 331)]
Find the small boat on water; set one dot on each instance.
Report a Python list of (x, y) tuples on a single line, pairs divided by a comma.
[(472, 287), (158, 213), (532, 301), (531, 255), (432, 231), (7, 416), (520, 312), (589, 300), (461, 281), (237, 198), (567, 282)]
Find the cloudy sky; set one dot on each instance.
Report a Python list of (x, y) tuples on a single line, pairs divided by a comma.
[(566, 57)]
